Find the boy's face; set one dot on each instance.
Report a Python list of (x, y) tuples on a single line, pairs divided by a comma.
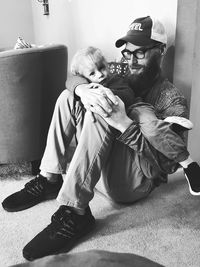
[(95, 74)]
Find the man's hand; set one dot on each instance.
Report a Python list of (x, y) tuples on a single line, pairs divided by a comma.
[(97, 98), (118, 119)]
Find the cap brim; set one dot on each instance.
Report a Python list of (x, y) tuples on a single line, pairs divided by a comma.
[(134, 39)]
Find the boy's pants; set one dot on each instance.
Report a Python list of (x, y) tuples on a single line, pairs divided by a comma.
[(126, 175)]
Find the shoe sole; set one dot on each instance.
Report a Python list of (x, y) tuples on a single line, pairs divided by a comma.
[(32, 204), (190, 189), (185, 123)]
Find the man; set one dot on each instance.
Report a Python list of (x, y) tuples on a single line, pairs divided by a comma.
[(100, 147)]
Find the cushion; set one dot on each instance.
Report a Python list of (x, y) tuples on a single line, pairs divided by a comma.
[(92, 258), (120, 68)]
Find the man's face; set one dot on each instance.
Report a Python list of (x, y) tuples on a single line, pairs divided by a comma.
[(144, 64), (138, 66)]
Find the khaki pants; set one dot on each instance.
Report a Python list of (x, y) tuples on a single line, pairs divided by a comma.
[(98, 156)]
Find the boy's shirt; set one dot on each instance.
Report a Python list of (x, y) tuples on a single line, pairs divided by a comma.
[(114, 82), (120, 88)]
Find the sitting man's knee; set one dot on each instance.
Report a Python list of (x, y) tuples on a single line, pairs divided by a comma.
[(65, 96)]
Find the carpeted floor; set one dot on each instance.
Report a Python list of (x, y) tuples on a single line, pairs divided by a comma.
[(164, 228)]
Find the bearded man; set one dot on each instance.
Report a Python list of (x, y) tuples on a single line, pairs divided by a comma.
[(112, 149)]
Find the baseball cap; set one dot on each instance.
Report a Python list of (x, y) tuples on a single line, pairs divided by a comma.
[(144, 31)]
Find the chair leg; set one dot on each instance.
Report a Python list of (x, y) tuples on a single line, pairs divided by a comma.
[(35, 166)]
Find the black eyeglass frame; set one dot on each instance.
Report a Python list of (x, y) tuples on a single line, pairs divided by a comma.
[(143, 51)]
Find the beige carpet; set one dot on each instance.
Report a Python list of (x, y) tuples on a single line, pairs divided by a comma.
[(164, 228)]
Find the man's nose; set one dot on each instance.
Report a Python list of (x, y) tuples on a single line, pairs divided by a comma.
[(133, 59)]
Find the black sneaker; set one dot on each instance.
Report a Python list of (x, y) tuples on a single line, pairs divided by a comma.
[(192, 174), (61, 235), (34, 192)]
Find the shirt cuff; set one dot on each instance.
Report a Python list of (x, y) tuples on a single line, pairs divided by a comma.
[(126, 136)]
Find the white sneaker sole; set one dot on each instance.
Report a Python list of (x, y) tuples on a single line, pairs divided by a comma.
[(190, 189), (180, 121)]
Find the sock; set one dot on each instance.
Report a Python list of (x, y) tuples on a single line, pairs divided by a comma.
[(78, 211), (51, 177), (186, 162)]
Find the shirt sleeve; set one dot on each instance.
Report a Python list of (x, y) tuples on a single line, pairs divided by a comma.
[(73, 81), (120, 88), (132, 137)]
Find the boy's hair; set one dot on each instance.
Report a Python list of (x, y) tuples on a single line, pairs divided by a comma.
[(87, 57)]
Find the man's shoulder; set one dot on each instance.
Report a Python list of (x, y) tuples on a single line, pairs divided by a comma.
[(166, 93), (168, 100), (166, 88)]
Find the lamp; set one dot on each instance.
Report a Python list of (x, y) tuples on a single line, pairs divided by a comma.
[(45, 4)]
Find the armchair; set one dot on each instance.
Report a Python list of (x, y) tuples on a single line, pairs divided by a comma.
[(30, 82)]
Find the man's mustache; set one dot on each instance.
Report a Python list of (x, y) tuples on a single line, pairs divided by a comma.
[(135, 66)]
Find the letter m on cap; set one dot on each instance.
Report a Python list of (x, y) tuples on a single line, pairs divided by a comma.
[(136, 26)]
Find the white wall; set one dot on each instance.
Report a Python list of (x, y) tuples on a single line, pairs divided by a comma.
[(15, 20), (185, 32), (194, 135), (79, 23)]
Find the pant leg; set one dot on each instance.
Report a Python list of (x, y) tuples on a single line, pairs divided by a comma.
[(99, 154), (158, 132), (93, 151), (67, 120), (89, 158), (122, 178)]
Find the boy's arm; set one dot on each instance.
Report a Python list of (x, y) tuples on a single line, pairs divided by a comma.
[(90, 97), (74, 81)]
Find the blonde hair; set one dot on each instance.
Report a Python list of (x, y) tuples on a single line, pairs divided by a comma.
[(86, 58)]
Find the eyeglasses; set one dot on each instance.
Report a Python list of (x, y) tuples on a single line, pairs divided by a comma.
[(138, 53)]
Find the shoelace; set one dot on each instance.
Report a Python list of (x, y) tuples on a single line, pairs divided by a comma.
[(63, 223), (36, 186)]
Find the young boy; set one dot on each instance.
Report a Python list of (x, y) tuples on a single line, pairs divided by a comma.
[(92, 65)]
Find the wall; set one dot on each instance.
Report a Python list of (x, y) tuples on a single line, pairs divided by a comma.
[(79, 23), (185, 32), (187, 65), (194, 135), (15, 20)]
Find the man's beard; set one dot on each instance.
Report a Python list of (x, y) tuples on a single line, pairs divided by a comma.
[(141, 83)]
